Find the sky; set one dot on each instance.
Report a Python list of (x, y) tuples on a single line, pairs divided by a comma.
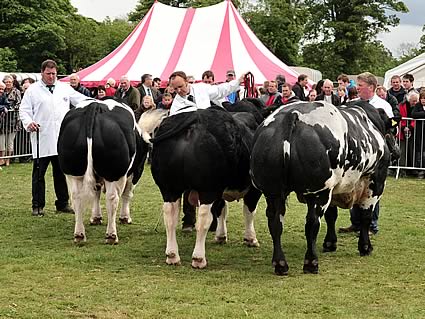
[(408, 32)]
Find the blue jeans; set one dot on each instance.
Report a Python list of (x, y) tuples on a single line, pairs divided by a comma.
[(356, 218)]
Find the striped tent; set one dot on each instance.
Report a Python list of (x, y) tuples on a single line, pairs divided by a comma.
[(191, 40)]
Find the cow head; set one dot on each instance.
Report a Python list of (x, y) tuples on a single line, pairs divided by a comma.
[(389, 125)]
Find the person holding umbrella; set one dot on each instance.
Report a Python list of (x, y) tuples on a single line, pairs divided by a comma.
[(42, 110)]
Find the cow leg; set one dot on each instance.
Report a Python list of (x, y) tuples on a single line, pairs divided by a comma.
[(249, 210), (113, 193), (221, 231), (364, 244), (330, 241), (76, 185), (127, 195), (204, 221), (275, 212), (171, 218), (312, 226), (96, 212)]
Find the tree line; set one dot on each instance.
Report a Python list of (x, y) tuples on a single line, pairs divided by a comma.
[(333, 36)]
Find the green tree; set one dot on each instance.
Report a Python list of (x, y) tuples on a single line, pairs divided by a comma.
[(279, 25), (340, 35), (7, 60), (422, 41), (144, 5), (34, 30), (81, 44)]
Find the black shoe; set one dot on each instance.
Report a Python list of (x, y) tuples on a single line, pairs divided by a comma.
[(66, 210), (37, 211), (349, 229)]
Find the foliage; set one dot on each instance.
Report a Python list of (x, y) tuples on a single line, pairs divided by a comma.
[(44, 275), (35, 30), (8, 62), (422, 41), (143, 6), (279, 25), (341, 33), (89, 41)]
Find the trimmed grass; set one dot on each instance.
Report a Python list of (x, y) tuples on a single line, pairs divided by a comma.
[(44, 275)]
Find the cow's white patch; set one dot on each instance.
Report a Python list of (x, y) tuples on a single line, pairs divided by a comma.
[(286, 148), (149, 121)]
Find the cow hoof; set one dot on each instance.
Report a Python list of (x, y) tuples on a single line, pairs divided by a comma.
[(199, 263), (329, 246), (96, 221), (253, 242), (281, 268), (125, 220), (366, 250), (79, 238), (220, 240), (173, 259), (311, 266), (111, 239)]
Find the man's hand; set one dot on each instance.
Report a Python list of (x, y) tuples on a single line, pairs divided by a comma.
[(33, 126), (242, 78)]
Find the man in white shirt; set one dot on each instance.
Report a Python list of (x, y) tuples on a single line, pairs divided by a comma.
[(366, 88), (146, 88), (42, 109), (190, 97)]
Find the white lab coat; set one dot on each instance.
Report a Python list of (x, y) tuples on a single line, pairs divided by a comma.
[(48, 110), (203, 93)]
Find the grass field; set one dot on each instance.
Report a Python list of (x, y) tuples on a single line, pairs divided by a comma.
[(44, 275)]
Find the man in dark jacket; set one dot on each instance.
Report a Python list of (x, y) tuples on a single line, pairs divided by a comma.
[(396, 89), (327, 94), (74, 81), (129, 94), (299, 87), (383, 94)]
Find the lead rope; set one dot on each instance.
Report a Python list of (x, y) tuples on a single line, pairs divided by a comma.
[(249, 85)]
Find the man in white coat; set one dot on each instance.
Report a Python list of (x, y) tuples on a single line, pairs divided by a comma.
[(191, 97), (42, 109)]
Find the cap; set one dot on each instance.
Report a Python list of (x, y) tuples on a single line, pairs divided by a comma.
[(230, 72)]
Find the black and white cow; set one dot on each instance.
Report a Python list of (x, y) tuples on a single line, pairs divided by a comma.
[(329, 156), (100, 143), (206, 152)]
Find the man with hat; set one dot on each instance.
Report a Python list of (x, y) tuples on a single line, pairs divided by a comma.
[(234, 96)]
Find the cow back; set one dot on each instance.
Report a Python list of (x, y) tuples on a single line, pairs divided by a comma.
[(205, 152), (115, 139), (306, 147)]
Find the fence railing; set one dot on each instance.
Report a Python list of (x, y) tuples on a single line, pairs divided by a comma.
[(15, 142), (410, 138)]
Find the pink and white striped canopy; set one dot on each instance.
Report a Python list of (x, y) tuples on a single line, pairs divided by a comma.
[(191, 40)]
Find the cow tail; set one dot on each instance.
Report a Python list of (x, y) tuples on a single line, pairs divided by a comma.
[(289, 123), (150, 121), (89, 180)]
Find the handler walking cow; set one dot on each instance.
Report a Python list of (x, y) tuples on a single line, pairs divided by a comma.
[(99, 142), (329, 156), (207, 154)]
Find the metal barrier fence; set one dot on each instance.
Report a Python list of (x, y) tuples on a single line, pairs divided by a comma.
[(410, 138), (15, 142)]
